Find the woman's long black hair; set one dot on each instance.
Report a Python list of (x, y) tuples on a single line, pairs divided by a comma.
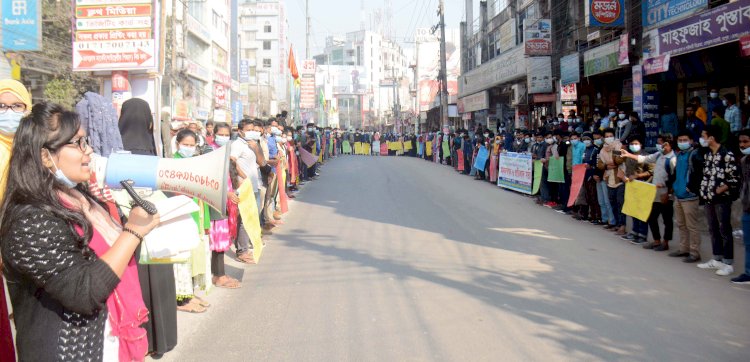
[(32, 185)]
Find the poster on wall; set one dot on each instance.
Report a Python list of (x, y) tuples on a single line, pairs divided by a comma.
[(515, 172), (538, 37), (539, 74), (428, 53)]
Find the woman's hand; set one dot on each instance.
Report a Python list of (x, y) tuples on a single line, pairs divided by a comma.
[(234, 198), (141, 222)]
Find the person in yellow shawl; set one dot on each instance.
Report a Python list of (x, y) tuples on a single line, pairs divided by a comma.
[(184, 273), (15, 103)]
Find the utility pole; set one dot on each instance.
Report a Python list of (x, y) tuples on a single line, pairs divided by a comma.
[(307, 26), (443, 70)]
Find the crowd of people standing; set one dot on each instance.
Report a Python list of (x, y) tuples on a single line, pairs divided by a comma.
[(72, 255)]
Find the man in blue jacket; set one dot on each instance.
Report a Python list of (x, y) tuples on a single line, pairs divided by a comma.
[(687, 177)]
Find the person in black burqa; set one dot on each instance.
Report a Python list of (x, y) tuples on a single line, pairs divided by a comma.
[(157, 281)]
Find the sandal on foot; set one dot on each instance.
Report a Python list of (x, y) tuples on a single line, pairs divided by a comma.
[(198, 300), (226, 282), (191, 308)]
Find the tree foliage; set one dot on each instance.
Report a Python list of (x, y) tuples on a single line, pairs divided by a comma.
[(61, 91)]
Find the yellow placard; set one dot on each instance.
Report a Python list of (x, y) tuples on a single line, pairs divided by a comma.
[(407, 146), (639, 198), (428, 146), (250, 218), (357, 148), (366, 149)]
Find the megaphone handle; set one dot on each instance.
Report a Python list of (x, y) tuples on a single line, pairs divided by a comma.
[(146, 205)]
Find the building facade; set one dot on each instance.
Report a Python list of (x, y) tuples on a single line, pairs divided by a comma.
[(263, 54)]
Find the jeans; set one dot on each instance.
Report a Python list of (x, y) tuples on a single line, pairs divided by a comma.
[(640, 228), (719, 217), (666, 211), (746, 239), (616, 200), (602, 194)]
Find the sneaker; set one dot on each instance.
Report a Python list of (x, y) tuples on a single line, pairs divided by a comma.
[(628, 237), (711, 264), (726, 270), (638, 241), (742, 279)]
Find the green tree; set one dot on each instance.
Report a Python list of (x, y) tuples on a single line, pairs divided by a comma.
[(61, 91)]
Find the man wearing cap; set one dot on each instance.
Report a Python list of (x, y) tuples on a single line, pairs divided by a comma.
[(15, 103)]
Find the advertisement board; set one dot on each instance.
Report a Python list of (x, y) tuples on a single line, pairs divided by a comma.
[(115, 35), (605, 13), (21, 28)]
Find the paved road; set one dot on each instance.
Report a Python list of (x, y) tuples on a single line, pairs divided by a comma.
[(397, 259)]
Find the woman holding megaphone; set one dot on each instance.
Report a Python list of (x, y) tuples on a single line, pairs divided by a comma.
[(70, 266)]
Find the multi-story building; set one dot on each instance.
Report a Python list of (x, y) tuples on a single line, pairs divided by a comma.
[(263, 57), (366, 79), (525, 59)]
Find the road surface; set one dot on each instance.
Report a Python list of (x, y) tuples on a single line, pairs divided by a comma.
[(398, 259)]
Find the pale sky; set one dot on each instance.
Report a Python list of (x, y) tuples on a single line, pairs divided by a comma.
[(338, 17)]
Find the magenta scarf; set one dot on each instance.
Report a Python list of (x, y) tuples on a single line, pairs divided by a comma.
[(127, 312)]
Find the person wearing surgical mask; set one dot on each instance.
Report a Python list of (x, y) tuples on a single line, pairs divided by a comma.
[(687, 178), (624, 127), (714, 101), (665, 163), (611, 189), (744, 138), (15, 103), (633, 171), (732, 113), (718, 189)]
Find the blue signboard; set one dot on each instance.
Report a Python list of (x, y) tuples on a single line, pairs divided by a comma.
[(662, 12), (236, 112), (606, 13), (244, 71), (651, 113), (638, 89), (570, 70), (21, 25)]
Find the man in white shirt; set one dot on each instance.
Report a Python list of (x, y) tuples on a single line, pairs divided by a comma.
[(248, 156)]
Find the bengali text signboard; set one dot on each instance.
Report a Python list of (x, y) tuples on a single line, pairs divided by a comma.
[(605, 13), (720, 25), (115, 35), (307, 85), (515, 172)]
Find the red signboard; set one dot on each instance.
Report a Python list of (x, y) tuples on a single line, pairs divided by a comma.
[(113, 11), (745, 46), (538, 47), (220, 95), (606, 11), (120, 82)]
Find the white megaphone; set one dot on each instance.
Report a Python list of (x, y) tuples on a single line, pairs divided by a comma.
[(203, 177)]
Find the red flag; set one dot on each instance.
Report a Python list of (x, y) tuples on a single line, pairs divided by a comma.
[(293, 64)]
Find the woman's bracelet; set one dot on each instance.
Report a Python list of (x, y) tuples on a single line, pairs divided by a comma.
[(137, 235)]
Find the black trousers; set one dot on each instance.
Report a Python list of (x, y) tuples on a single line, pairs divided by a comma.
[(666, 211)]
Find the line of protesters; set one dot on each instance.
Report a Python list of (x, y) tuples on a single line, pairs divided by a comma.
[(695, 167), (73, 257)]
